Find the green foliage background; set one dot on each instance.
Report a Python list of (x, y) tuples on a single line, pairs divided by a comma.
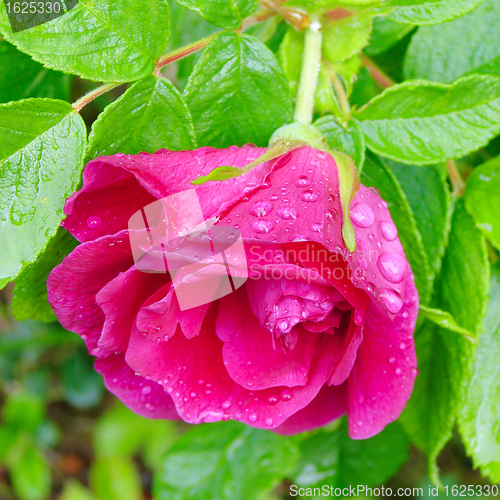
[(409, 88)]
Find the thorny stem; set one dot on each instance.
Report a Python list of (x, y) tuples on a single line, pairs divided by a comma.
[(377, 74), (294, 17), (455, 178), (304, 107), (83, 101)]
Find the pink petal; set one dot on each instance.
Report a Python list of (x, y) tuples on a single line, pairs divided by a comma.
[(328, 405), (142, 396), (160, 315), (251, 357), (193, 373), (168, 172), (73, 285), (107, 200), (120, 301), (383, 375)]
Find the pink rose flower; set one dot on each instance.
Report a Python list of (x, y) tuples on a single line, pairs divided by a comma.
[(316, 331)]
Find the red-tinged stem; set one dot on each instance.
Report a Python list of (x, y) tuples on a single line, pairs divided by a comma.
[(455, 178), (377, 74), (83, 101), (177, 54)]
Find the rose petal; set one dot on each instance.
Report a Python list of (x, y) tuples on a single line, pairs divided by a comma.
[(383, 375), (193, 373), (142, 396), (329, 404), (73, 285), (251, 357)]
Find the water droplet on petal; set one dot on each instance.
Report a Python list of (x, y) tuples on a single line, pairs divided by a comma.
[(392, 360), (397, 371), (405, 314), (93, 222), (316, 227), (252, 417), (263, 226), (146, 389), (286, 395), (269, 421), (303, 181), (272, 399), (287, 213), (362, 215), (261, 209), (309, 196), (226, 405), (414, 372), (392, 265), (402, 346), (391, 299), (389, 230)]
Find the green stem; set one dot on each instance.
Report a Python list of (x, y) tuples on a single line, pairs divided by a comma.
[(455, 178), (377, 74), (304, 107), (83, 101)]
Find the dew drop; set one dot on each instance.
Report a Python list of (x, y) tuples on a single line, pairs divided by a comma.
[(93, 222), (252, 417), (405, 314), (309, 196), (391, 299), (392, 360), (389, 230), (263, 226), (272, 399), (286, 395), (362, 215), (269, 421), (146, 389), (303, 181), (287, 213), (392, 265), (261, 209), (226, 405), (402, 346), (414, 372), (316, 227), (397, 371)]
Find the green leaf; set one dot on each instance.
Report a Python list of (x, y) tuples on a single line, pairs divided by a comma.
[(482, 199), (73, 490), (82, 385), (332, 458), (445, 360), (231, 461), (429, 11), (30, 292), (9, 436), (386, 34), (188, 26), (349, 141), (102, 40), (423, 122), (42, 144), (30, 473), (290, 57), (21, 77), (237, 93), (149, 116), (115, 478), (24, 411), (376, 174), (343, 38), (223, 13), (427, 191), (470, 44), (447, 321), (479, 421)]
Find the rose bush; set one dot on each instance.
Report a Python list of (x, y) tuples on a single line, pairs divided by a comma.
[(316, 332)]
